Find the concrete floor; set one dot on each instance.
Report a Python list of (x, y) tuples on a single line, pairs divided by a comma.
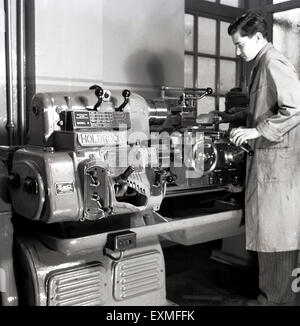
[(194, 279)]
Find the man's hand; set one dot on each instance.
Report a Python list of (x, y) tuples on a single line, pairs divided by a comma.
[(231, 116), (240, 135), (225, 117)]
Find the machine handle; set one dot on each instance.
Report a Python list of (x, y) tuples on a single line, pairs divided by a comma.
[(247, 148), (99, 94), (126, 94), (125, 175)]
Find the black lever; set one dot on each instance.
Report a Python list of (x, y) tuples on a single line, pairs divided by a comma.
[(126, 94), (247, 148), (125, 175), (99, 94)]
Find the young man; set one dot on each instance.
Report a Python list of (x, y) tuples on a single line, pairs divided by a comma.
[(272, 201)]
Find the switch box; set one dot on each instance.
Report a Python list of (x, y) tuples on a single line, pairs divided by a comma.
[(121, 241)]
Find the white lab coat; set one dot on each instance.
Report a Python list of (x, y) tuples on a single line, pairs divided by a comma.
[(272, 200)]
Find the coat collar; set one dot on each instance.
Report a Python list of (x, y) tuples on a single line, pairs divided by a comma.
[(265, 49)]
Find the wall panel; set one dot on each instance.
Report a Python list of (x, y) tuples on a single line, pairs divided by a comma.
[(138, 44), (68, 44), (143, 43)]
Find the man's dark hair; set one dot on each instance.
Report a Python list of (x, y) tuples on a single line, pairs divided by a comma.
[(249, 24)]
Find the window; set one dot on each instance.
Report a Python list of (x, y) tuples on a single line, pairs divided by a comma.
[(231, 3), (210, 59)]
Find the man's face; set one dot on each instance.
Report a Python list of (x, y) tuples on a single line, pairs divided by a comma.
[(246, 47)]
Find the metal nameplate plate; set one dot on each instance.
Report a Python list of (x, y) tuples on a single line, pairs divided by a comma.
[(100, 120), (106, 138)]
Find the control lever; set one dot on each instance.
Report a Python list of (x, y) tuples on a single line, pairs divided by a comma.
[(126, 94), (93, 176), (97, 199), (246, 148), (121, 181), (122, 178), (99, 94)]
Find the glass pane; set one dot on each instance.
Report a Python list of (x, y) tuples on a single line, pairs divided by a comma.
[(206, 73), (206, 105), (286, 35), (227, 47), (227, 75), (233, 3), (222, 104), (210, 0), (189, 32), (279, 1), (189, 71), (223, 126), (207, 35)]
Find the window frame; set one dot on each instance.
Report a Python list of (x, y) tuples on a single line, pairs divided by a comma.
[(240, 80)]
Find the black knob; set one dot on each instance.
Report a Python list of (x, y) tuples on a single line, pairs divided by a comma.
[(98, 90), (209, 91), (171, 179), (126, 94)]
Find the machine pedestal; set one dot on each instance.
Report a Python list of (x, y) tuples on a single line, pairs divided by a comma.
[(233, 252)]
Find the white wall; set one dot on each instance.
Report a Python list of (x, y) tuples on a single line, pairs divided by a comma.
[(68, 44), (137, 44), (143, 43)]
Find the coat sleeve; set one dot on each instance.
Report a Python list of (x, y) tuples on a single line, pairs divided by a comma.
[(284, 85)]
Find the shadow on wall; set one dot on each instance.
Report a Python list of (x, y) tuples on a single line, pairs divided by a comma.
[(3, 131), (151, 69)]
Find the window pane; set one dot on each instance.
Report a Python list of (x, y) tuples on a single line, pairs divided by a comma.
[(207, 33), (189, 71), (279, 1), (227, 75), (227, 47), (222, 104), (206, 73), (233, 3), (206, 105), (223, 126), (286, 35), (189, 32), (210, 0)]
